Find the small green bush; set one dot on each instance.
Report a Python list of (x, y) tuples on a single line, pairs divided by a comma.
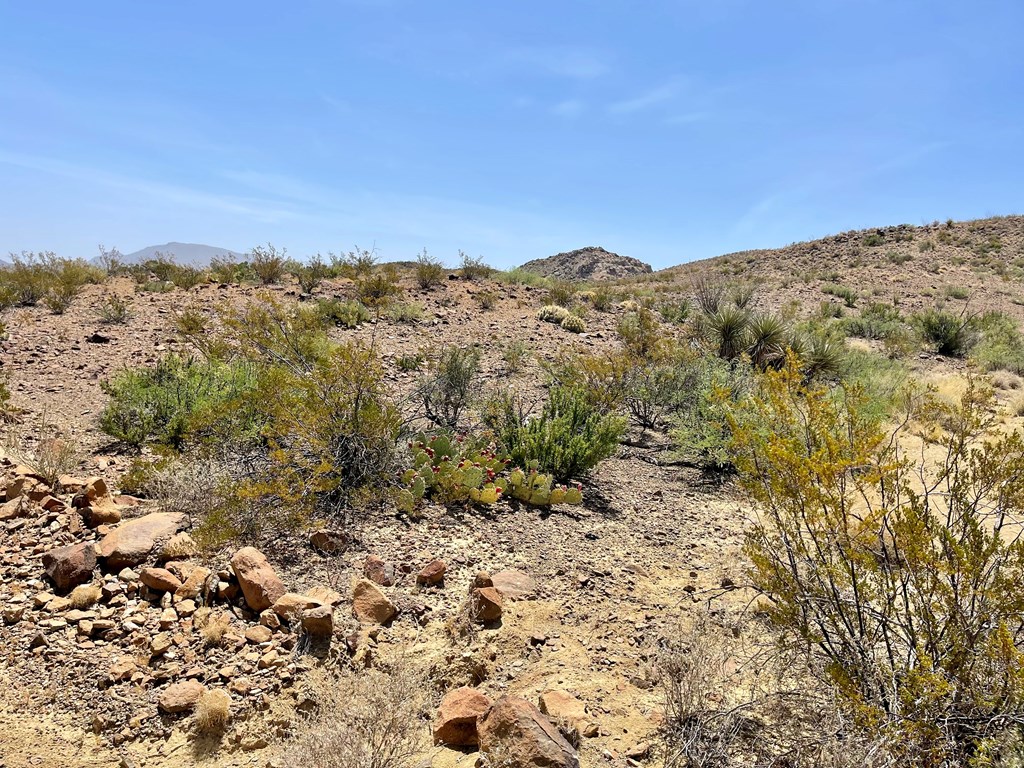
[(873, 239), (409, 313), (602, 298), (178, 400), (1001, 346), (876, 321), (430, 272), (379, 289), (952, 335), (486, 299), (847, 294), (268, 263), (562, 292), (473, 268), (519, 276), (310, 275), (344, 314), (514, 354), (114, 310), (567, 439)]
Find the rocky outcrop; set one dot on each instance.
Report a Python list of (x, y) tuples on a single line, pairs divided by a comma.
[(259, 582), (590, 263), (456, 722), (132, 542)]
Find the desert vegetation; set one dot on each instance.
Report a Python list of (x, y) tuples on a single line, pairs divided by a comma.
[(856, 448)]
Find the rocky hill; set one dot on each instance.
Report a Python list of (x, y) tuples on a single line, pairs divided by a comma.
[(590, 263), (193, 254)]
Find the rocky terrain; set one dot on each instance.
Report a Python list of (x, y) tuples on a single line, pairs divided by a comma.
[(591, 263), (124, 644)]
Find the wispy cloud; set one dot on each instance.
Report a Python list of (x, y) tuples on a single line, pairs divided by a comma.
[(561, 61), (568, 108), (647, 99), (257, 209)]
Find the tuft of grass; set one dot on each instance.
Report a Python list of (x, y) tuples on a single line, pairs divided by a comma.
[(85, 596), (215, 628), (213, 711)]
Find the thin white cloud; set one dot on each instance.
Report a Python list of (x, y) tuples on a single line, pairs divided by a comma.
[(569, 62), (651, 98), (568, 108)]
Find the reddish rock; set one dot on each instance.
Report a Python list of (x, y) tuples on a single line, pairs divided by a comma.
[(180, 697), (432, 573), (515, 585), (379, 572), (260, 584), (192, 587), (485, 604), (559, 705), (370, 605), (524, 736), (457, 717), (482, 579), (318, 622), (102, 512), (131, 543), (159, 579), (329, 542), (70, 566), (16, 507), (290, 605)]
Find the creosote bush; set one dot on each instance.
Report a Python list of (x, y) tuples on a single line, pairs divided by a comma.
[(268, 263), (430, 272), (450, 388), (901, 581)]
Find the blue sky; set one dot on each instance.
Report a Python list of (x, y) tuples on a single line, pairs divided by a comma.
[(664, 130)]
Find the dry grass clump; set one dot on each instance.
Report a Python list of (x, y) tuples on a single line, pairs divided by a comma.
[(179, 547), (84, 596), (371, 719), (213, 711), (215, 628)]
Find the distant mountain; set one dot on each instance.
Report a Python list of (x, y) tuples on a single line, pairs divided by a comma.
[(194, 254), (590, 263)]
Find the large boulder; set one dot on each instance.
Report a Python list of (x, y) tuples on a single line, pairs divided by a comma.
[(457, 717), (70, 566), (260, 584), (524, 736), (370, 605), (132, 542)]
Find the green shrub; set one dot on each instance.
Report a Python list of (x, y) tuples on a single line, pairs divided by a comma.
[(567, 439), (380, 288), (708, 295), (641, 335), (179, 400), (1001, 346), (519, 276), (873, 239), (473, 268), (514, 354), (448, 391), (34, 277), (848, 295), (114, 310), (226, 270), (344, 314), (675, 311), (952, 335), (602, 298), (957, 292), (900, 582), (410, 362), (876, 321), (895, 257), (562, 292), (728, 332), (405, 312), (310, 275), (430, 272), (699, 428), (59, 297), (742, 294), (356, 264), (486, 299), (267, 263)]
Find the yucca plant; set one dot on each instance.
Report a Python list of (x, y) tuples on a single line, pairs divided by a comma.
[(769, 340), (728, 331)]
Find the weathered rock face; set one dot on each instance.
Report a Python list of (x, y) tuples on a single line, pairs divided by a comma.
[(456, 723), (318, 622), (370, 605), (525, 735), (180, 697), (515, 585), (560, 705), (290, 605), (132, 542), (485, 604), (260, 584), (70, 566)]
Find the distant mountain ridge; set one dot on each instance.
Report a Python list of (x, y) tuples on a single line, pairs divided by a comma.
[(193, 254), (590, 263)]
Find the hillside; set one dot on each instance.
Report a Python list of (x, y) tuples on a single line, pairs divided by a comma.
[(586, 264), (585, 597)]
